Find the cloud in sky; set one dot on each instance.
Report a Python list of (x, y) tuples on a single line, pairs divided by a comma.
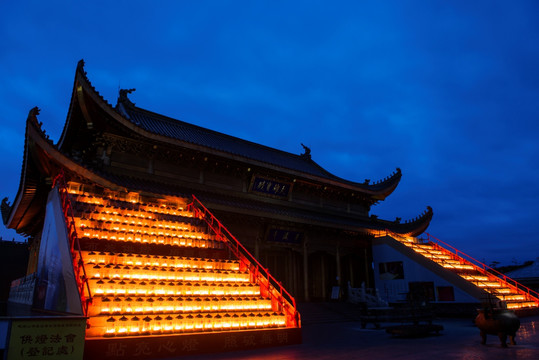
[(447, 91)]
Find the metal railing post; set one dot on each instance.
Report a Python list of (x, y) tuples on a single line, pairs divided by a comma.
[(245, 257)]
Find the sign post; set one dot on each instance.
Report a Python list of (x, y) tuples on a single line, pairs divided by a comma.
[(46, 338)]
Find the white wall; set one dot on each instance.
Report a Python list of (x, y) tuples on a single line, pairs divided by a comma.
[(396, 289)]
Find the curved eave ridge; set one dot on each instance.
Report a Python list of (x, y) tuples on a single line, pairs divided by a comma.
[(161, 125), (385, 186), (81, 82), (13, 213), (413, 227), (82, 77), (180, 130), (186, 132)]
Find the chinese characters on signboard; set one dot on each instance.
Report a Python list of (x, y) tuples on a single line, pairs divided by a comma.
[(285, 236), (270, 187), (147, 348), (187, 344), (47, 339)]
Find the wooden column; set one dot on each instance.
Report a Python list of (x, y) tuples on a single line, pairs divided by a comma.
[(257, 249), (305, 271), (324, 275), (368, 268), (351, 271), (338, 262), (290, 270)]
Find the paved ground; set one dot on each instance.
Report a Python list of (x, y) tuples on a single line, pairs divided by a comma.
[(329, 333)]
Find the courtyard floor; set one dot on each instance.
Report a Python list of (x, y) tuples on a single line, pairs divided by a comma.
[(328, 333)]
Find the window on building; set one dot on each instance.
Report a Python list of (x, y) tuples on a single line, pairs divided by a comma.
[(421, 291), (445, 293), (393, 270)]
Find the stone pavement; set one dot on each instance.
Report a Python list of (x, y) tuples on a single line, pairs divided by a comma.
[(333, 332)]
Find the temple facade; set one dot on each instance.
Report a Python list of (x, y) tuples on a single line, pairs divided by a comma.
[(164, 238), (310, 228)]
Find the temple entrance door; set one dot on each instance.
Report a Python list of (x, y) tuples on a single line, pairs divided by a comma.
[(286, 267), (353, 272), (322, 275), (355, 269)]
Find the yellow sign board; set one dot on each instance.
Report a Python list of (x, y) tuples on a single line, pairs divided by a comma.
[(46, 338)]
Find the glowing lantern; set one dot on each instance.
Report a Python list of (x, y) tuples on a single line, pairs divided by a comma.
[(227, 321), (189, 323), (134, 328), (208, 322), (199, 322), (110, 330)]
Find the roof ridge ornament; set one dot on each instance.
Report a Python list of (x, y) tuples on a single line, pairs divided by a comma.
[(32, 115), (32, 118), (5, 208), (80, 66), (307, 152), (122, 96)]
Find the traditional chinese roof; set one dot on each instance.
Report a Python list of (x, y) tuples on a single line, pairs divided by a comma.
[(156, 127), (186, 132), (41, 162), (27, 195), (43, 159)]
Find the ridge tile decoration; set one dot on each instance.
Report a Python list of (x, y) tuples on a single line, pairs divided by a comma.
[(515, 296), (155, 269)]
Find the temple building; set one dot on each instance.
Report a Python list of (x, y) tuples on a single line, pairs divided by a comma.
[(149, 225)]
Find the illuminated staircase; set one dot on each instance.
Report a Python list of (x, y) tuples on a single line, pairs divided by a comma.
[(152, 267), (515, 295)]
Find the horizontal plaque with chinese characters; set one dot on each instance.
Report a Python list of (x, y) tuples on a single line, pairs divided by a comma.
[(270, 187), (285, 236)]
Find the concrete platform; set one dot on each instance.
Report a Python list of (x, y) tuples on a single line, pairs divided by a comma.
[(414, 330), (183, 345), (332, 331)]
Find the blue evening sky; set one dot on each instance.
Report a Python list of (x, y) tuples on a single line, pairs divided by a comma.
[(446, 90)]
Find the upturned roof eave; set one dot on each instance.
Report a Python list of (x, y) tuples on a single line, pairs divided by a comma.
[(378, 191), (41, 144), (31, 122), (414, 227), (72, 104)]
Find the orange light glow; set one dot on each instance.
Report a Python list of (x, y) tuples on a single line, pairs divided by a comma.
[(142, 294), (452, 260)]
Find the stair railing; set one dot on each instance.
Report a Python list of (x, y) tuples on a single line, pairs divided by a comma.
[(76, 255), (269, 285), (487, 270), (461, 260), (530, 294)]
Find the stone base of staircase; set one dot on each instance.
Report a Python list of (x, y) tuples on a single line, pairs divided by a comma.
[(455, 310), (525, 312), (169, 346)]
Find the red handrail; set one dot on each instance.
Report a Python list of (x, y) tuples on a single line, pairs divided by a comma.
[(262, 275), (67, 207), (530, 294), (485, 269)]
